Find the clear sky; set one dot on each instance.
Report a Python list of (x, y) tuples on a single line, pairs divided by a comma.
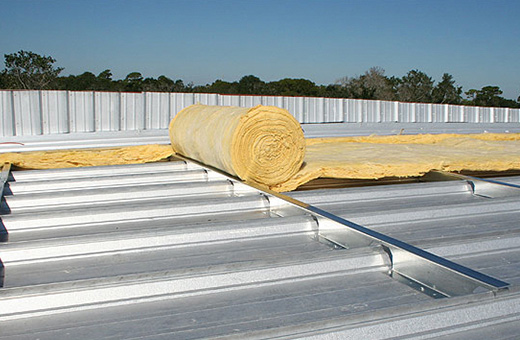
[(477, 41)]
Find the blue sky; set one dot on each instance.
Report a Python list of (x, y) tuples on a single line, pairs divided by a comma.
[(478, 42)]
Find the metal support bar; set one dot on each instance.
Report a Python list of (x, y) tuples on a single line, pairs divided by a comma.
[(481, 186), (429, 273)]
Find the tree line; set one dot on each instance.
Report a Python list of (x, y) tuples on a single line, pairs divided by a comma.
[(28, 70)]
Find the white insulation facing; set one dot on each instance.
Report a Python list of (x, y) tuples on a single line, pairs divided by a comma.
[(25, 113)]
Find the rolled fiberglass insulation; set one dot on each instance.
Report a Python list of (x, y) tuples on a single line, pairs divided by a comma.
[(263, 144)]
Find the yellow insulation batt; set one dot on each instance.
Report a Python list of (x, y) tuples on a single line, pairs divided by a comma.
[(263, 144), (87, 157), (404, 156)]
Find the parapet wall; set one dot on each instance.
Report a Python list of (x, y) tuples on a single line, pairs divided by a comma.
[(27, 112)]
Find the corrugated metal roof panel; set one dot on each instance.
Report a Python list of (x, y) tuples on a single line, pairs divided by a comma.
[(169, 250)]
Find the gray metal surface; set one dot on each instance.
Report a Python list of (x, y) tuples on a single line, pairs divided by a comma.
[(160, 136), (29, 113), (440, 217), (168, 250)]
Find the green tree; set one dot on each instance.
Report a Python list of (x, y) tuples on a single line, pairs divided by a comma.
[(165, 84), (4, 80), (445, 92), (292, 87), (179, 86), (28, 70), (489, 96), (333, 91), (415, 86), (133, 82), (221, 87), (149, 85), (250, 85), (371, 85), (87, 81), (105, 82)]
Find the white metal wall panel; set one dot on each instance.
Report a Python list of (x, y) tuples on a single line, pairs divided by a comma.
[(373, 111), (81, 110), (402, 113), (188, 99), (295, 106), (255, 100), (484, 115), (249, 101), (422, 113), (176, 104), (107, 110), (27, 113), (232, 100), (206, 98), (7, 114), (157, 110), (370, 111), (406, 112), (454, 114), (227, 101), (332, 110), (310, 108), (473, 115), (387, 111), (54, 112), (348, 109), (501, 114), (132, 111), (273, 101), (469, 115), (514, 116), (47, 112), (439, 113), (354, 112)]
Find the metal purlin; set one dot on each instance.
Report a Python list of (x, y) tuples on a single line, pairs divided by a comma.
[(433, 275)]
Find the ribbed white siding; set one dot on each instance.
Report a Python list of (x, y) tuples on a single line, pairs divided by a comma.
[(25, 113)]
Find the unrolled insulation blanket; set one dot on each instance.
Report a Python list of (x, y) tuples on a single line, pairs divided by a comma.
[(378, 157), (86, 157), (263, 144)]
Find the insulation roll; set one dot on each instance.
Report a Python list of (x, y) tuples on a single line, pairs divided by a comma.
[(263, 144)]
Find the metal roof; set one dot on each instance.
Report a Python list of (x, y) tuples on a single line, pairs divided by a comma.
[(175, 250), (128, 138)]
